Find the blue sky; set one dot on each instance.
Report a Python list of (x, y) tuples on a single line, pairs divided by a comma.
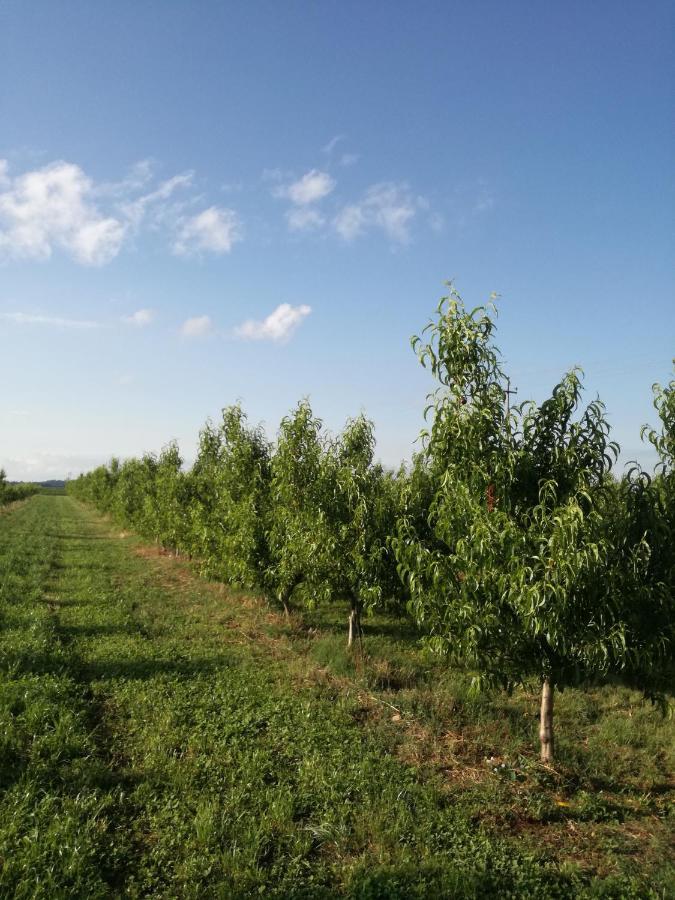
[(260, 201)]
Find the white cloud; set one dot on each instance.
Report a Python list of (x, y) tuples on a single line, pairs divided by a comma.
[(20, 318), (386, 206), (350, 222), (313, 186), (135, 210), (278, 326), (304, 218), (125, 380), (59, 207), (139, 175), (214, 230), (199, 326), (140, 318), (52, 208)]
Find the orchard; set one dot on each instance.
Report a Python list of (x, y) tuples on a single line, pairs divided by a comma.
[(510, 539)]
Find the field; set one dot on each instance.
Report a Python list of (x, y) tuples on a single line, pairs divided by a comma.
[(163, 735)]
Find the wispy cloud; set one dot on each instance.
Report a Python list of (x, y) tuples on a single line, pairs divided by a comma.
[(215, 230), (53, 207), (304, 218), (313, 186), (60, 208), (332, 143), (140, 318), (277, 327), (349, 159), (140, 174), (388, 207), (20, 318), (135, 210), (199, 326)]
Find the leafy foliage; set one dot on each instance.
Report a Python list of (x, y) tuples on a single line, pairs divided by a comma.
[(361, 515), (230, 484), (514, 579), (145, 756), (507, 537), (299, 535), (641, 522), (9, 493)]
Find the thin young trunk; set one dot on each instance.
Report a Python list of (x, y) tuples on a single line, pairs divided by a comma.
[(354, 623), (286, 595), (546, 722)]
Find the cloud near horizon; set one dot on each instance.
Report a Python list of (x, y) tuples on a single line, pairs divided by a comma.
[(277, 327), (140, 318), (55, 321)]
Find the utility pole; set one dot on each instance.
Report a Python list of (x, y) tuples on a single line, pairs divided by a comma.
[(507, 396)]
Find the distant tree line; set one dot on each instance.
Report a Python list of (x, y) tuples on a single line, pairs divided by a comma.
[(507, 538), (10, 491)]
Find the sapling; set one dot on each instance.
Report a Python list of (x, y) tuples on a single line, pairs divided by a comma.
[(509, 577), (360, 515), (298, 536)]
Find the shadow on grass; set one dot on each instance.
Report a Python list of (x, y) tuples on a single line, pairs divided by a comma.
[(130, 669), (404, 632), (70, 632), (53, 601), (81, 567)]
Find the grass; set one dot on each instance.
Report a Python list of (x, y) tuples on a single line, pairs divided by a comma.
[(164, 736)]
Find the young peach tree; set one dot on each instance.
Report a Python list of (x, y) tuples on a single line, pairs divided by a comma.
[(229, 484), (508, 576), (642, 522), (298, 535), (360, 513)]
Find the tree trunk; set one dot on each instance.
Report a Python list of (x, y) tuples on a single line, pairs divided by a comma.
[(546, 722), (354, 623), (286, 595)]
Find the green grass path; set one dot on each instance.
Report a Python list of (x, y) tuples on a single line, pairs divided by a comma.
[(158, 737)]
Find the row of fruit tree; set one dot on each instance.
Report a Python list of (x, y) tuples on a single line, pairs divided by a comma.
[(509, 539)]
